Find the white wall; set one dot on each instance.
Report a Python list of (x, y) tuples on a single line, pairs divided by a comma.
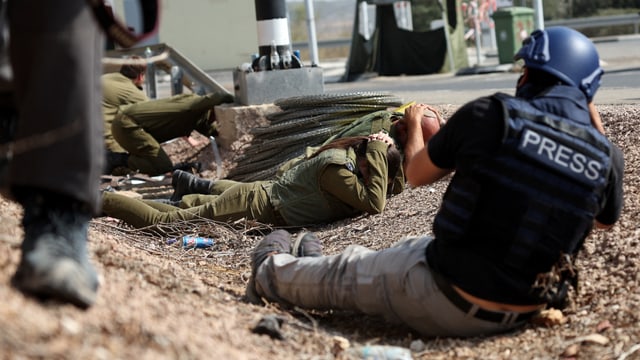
[(213, 34)]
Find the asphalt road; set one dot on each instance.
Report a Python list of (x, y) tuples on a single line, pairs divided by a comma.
[(620, 58)]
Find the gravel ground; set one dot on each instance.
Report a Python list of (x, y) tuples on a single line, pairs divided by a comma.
[(159, 301)]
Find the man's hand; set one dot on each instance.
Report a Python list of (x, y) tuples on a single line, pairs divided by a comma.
[(431, 122), (382, 136), (424, 116)]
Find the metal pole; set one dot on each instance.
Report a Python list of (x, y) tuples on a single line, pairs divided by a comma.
[(176, 80), (150, 75), (311, 28), (539, 15), (477, 31), (447, 38), (364, 20), (273, 29), (492, 26)]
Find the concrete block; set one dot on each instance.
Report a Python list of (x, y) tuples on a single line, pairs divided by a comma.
[(235, 121), (263, 87)]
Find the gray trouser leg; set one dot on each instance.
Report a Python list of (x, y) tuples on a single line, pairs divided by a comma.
[(396, 283)]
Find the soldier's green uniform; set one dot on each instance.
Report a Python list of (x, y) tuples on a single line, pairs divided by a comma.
[(117, 90), (367, 125), (325, 188), (140, 128)]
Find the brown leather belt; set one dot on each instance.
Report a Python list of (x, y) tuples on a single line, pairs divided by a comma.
[(475, 311)]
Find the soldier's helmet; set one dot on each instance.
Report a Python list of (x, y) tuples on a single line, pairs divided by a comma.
[(566, 54)]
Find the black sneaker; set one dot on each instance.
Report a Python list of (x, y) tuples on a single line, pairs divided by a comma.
[(306, 244), (277, 242), (54, 262)]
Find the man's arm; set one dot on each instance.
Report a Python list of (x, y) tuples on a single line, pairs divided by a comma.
[(596, 120), (612, 210), (367, 195), (419, 169)]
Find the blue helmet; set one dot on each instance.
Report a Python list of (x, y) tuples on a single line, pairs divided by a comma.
[(565, 53)]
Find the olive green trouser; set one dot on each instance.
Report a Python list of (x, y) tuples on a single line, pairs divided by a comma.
[(145, 152), (112, 145), (243, 200), (140, 128)]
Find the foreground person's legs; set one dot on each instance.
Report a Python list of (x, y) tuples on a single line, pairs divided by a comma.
[(55, 175)]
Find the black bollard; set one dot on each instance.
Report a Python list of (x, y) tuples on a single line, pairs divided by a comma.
[(274, 45)]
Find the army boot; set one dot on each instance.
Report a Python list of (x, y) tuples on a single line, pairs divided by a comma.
[(54, 262), (115, 160), (186, 183), (187, 166)]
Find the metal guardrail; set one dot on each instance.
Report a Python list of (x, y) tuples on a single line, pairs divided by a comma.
[(599, 21), (578, 23), (194, 78)]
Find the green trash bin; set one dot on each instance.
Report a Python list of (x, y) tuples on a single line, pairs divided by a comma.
[(512, 25)]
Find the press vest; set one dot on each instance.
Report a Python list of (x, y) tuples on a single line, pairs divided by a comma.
[(536, 198), (297, 194)]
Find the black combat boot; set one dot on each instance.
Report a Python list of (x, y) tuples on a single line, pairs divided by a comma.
[(115, 160), (186, 183), (188, 166), (54, 262)]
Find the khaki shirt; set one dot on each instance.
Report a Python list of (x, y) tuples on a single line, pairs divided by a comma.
[(117, 90)]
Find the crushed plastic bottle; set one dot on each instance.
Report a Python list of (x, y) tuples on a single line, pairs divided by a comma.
[(380, 352)]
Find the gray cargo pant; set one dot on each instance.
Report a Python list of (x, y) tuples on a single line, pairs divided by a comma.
[(396, 283)]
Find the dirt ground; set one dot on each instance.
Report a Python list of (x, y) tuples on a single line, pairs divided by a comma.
[(159, 301)]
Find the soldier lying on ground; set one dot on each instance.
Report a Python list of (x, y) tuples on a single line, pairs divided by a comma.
[(191, 193), (391, 122), (343, 179)]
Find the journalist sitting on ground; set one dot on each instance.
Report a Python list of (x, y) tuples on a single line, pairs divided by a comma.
[(533, 175)]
